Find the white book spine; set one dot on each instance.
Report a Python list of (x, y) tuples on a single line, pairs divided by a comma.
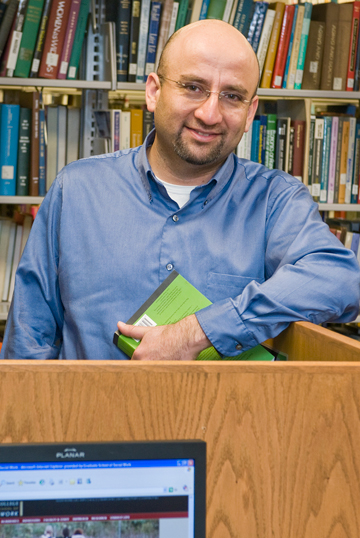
[(265, 38), (350, 161), (143, 38), (332, 164), (227, 10), (9, 260), (16, 259)]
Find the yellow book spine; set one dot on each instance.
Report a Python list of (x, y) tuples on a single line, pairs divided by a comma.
[(295, 48), (273, 45), (136, 127)]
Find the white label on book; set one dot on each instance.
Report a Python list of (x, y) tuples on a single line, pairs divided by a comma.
[(291, 80), (52, 59), (7, 172), (337, 83), (355, 189), (315, 189), (314, 67), (132, 69), (35, 65), (145, 321), (14, 50), (278, 80), (72, 72), (331, 197), (350, 83), (149, 68), (323, 194), (342, 179), (299, 76), (63, 68)]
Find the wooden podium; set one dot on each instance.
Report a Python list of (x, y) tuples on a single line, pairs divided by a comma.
[(283, 438)]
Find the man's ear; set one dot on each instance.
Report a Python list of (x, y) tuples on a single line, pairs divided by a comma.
[(251, 112), (152, 91)]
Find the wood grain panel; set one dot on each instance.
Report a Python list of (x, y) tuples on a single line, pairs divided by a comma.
[(282, 438)]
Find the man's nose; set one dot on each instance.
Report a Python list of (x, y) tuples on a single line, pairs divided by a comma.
[(209, 111)]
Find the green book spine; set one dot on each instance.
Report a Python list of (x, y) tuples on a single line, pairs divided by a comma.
[(173, 300), (181, 17), (216, 9), (78, 40), (270, 141), (28, 39), (23, 165)]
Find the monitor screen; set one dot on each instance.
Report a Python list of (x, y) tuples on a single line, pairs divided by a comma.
[(103, 490)]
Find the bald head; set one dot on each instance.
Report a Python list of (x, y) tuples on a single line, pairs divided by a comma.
[(220, 37)]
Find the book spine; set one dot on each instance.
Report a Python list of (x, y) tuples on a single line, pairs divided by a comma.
[(284, 40), (318, 155), (27, 46), (148, 123), (298, 152), (174, 14), (295, 48), (216, 9), (227, 10), (115, 129), (23, 165), (343, 160), (125, 120), (291, 42), (143, 39), (164, 28), (262, 139), (342, 47), (331, 31), (9, 135), (281, 144), (122, 39), (254, 20), (303, 46), (54, 38), (134, 37), (338, 160), (6, 23), (259, 25), (291, 150), (16, 38), (78, 40), (265, 38), (255, 140), (204, 9), (243, 15), (324, 178), (42, 153), (153, 38), (34, 144), (273, 45), (9, 261), (314, 56), (35, 65), (136, 127), (350, 161), (332, 162), (311, 153), (181, 17), (270, 141), (69, 39), (353, 46), (355, 185)]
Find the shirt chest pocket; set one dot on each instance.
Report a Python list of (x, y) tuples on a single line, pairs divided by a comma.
[(221, 286)]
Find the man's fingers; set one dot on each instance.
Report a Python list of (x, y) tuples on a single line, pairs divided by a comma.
[(133, 331)]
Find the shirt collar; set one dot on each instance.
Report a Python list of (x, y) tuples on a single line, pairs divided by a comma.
[(221, 177)]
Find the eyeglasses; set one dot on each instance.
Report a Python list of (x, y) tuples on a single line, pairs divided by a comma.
[(193, 91)]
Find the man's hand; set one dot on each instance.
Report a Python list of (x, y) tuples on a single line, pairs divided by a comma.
[(181, 341)]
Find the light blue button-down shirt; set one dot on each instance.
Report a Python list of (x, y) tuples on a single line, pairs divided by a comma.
[(107, 234)]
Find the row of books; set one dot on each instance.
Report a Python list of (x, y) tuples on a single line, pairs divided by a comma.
[(13, 237), (276, 142), (334, 159), (347, 231), (305, 45), (42, 38)]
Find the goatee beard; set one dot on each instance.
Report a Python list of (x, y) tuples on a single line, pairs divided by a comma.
[(183, 151)]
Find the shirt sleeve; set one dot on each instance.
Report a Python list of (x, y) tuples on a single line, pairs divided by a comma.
[(310, 276), (35, 320)]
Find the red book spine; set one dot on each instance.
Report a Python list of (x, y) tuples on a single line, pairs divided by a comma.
[(54, 38), (69, 39), (283, 46), (353, 46), (298, 154)]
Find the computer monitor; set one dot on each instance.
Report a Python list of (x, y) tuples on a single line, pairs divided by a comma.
[(153, 489)]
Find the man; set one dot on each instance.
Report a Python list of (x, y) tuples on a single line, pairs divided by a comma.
[(113, 227)]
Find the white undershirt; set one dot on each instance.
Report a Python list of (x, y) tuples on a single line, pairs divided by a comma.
[(179, 193)]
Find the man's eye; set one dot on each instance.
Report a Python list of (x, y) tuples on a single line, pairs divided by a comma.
[(234, 97), (193, 88)]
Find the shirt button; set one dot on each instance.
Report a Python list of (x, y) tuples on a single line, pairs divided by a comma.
[(169, 267), (238, 347), (205, 202), (175, 218)]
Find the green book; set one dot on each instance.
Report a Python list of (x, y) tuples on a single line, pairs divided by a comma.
[(173, 300), (78, 39), (28, 39), (270, 141), (216, 9), (23, 163)]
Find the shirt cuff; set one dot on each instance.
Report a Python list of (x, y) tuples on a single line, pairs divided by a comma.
[(225, 329)]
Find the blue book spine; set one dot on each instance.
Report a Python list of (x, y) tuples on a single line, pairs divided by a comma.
[(253, 23), (153, 38), (122, 39), (286, 72), (9, 135), (254, 156), (42, 153), (325, 159), (263, 9), (143, 40), (243, 14), (204, 10), (355, 184), (303, 46), (355, 243)]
